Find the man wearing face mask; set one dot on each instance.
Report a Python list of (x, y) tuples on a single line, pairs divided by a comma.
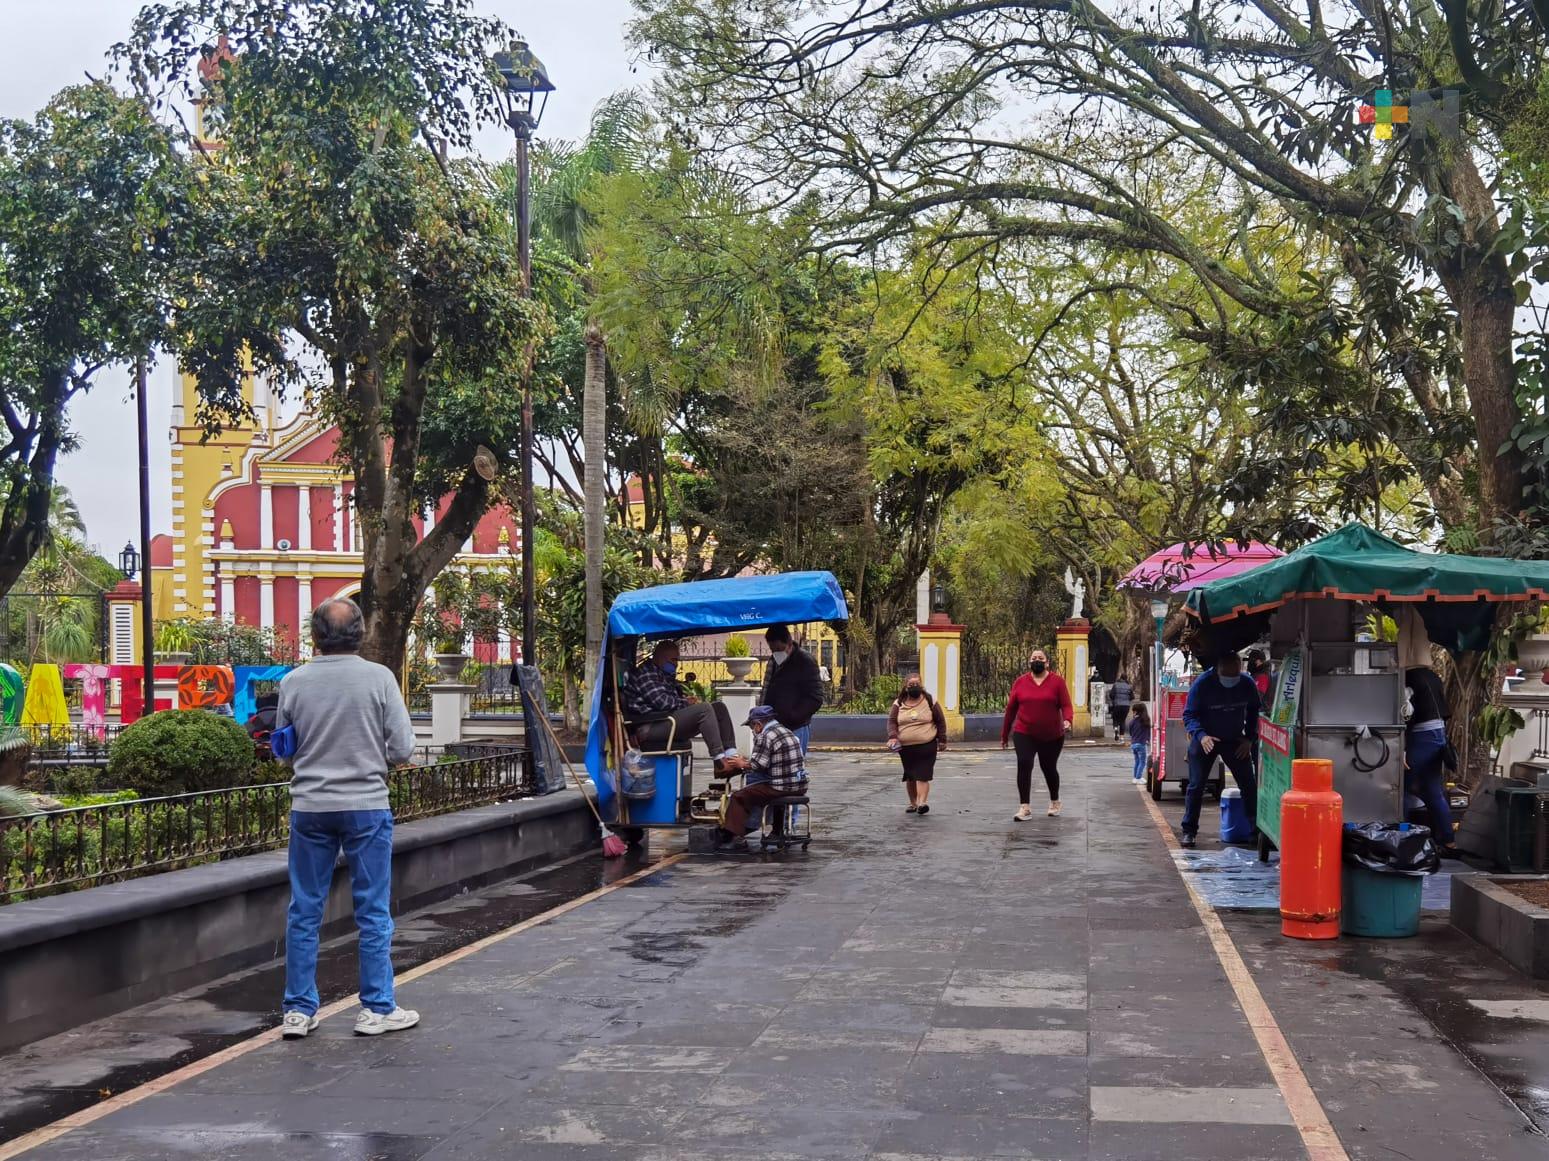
[(1222, 718), (653, 689), (793, 685)]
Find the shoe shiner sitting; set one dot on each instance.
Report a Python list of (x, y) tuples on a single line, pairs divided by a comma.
[(777, 761)]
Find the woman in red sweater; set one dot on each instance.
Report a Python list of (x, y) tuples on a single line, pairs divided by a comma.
[(1038, 716)]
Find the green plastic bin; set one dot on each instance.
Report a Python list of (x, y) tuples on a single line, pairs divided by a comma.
[(1378, 905)]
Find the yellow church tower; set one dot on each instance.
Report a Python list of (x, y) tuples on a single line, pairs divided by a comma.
[(200, 462)]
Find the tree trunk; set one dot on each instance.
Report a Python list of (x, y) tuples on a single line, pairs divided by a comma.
[(572, 705), (1480, 286), (594, 429)]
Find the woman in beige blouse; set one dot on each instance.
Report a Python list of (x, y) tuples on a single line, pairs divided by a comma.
[(916, 732)]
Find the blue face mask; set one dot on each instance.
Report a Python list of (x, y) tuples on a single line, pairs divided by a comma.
[(1228, 682), (670, 668)]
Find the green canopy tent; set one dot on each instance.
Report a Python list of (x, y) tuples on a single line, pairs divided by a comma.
[(1456, 595)]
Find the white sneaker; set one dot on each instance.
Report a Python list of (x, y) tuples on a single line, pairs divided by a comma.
[(1023, 814), (370, 1023), (296, 1025), (1054, 809)]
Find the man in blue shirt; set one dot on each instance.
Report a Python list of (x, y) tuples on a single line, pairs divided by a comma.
[(1222, 718)]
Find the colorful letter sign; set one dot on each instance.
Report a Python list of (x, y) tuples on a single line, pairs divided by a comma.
[(203, 686), (45, 707)]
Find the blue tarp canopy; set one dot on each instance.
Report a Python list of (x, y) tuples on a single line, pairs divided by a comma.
[(716, 606)]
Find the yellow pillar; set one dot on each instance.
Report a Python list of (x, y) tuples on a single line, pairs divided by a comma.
[(941, 657), (1074, 659)]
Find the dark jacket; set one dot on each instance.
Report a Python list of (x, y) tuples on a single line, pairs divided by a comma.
[(794, 688), (1213, 710), (1121, 695)]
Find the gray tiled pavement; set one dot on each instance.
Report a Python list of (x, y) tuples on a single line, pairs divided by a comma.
[(957, 986)]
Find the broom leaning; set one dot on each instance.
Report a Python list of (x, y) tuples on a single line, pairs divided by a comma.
[(613, 847)]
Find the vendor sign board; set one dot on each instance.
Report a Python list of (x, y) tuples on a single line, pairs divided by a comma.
[(1274, 775), (1288, 689)]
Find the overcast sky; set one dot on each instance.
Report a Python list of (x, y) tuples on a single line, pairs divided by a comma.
[(48, 46)]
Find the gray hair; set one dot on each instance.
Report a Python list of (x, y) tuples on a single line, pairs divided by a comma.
[(338, 626)]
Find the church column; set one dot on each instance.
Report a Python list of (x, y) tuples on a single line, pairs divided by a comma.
[(265, 516), (304, 518), (338, 518), (266, 599)]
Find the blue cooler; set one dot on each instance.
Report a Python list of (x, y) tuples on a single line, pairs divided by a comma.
[(1235, 826)]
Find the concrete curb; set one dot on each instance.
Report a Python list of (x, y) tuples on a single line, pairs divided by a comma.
[(1508, 925)]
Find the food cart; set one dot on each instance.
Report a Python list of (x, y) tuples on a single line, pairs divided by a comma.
[(1339, 692), (1171, 572), (678, 798)]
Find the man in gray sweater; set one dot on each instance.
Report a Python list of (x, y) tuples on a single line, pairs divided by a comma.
[(352, 727)]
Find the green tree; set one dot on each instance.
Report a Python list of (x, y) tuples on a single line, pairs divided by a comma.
[(343, 252), (893, 117), (92, 208)]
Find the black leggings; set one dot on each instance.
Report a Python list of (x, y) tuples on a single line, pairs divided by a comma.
[(1048, 755)]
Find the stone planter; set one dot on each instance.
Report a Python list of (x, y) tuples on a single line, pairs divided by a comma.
[(1507, 924), (739, 667), (1533, 656), (178, 659), (452, 665)]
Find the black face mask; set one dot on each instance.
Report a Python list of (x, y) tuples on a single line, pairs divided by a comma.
[(912, 690), (1038, 666)]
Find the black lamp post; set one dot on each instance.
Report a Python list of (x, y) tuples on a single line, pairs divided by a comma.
[(129, 561), (147, 628), (524, 79), (938, 598)]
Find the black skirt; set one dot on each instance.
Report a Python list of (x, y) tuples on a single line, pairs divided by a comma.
[(919, 761)]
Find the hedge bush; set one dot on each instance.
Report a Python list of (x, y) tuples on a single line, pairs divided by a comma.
[(181, 751)]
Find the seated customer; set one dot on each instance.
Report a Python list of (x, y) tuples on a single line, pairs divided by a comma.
[(777, 758), (653, 690)]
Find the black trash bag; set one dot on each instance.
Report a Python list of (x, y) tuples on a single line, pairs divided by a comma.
[(1390, 849)]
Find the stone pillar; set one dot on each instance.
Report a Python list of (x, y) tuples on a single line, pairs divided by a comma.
[(266, 601), (1074, 653), (304, 517), (265, 517), (338, 518), (941, 660), (448, 706), (740, 697)]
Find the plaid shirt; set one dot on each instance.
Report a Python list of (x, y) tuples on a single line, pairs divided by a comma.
[(651, 691), (777, 756)]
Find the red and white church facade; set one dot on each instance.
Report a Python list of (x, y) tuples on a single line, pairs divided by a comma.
[(264, 527)]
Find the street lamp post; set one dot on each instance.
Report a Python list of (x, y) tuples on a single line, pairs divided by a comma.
[(1159, 614), (524, 79), (147, 629)]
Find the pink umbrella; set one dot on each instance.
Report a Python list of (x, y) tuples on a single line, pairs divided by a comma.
[(1182, 567)]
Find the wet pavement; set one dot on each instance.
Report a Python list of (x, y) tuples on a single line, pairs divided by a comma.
[(58, 1076), (956, 986)]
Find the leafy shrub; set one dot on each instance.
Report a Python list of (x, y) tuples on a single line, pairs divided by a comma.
[(876, 698), (179, 751), (74, 781), (737, 646)]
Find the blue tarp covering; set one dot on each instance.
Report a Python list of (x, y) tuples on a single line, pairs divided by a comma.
[(743, 602), (717, 606)]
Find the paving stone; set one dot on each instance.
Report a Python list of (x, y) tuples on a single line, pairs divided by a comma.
[(1013, 1041), (972, 1135), (1215, 1104)]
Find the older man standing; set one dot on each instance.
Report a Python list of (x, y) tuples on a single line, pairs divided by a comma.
[(351, 728)]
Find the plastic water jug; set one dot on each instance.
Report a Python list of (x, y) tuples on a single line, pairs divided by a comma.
[(1235, 827)]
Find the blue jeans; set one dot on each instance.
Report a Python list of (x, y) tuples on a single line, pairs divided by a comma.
[(1426, 778), (803, 735), (1142, 752), (316, 838), (1200, 766)]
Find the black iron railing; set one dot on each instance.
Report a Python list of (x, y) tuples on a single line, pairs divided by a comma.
[(90, 845), (75, 742), (987, 672)]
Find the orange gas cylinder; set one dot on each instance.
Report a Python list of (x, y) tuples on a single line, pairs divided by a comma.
[(1311, 831)]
